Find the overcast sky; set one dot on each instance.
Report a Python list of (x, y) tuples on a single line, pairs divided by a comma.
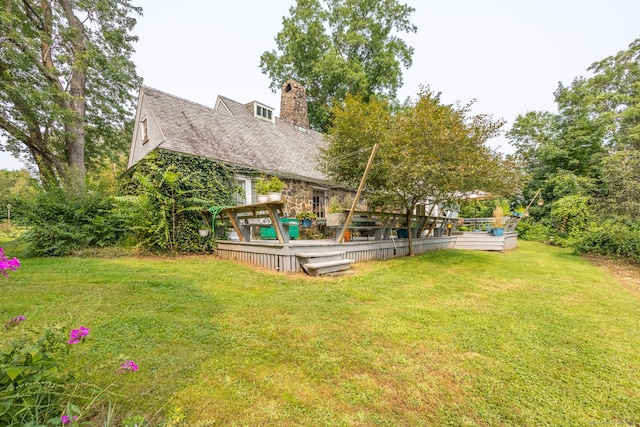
[(507, 55)]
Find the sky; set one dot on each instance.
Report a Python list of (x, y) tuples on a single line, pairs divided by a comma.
[(508, 56)]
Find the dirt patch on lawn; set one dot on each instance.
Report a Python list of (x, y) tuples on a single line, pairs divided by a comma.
[(626, 273)]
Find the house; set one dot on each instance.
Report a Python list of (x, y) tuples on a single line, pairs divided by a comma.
[(248, 137)]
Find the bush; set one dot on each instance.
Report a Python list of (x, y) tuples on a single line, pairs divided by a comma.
[(571, 215), (33, 390), (63, 222), (611, 239), (534, 231)]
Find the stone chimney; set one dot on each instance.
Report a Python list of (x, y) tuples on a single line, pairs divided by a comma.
[(293, 104)]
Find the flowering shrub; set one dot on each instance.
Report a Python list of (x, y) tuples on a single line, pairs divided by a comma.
[(32, 385), (7, 264), (34, 389)]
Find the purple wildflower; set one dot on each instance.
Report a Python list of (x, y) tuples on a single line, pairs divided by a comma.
[(129, 366), (66, 419), (7, 264), (15, 321), (77, 335)]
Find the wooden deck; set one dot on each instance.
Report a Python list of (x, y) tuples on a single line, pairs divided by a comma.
[(276, 256)]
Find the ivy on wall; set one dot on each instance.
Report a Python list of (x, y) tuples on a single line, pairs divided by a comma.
[(168, 196)]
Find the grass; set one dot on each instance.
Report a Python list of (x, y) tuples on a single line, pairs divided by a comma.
[(532, 337)]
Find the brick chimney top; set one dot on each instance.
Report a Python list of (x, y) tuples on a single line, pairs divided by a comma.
[(293, 104)]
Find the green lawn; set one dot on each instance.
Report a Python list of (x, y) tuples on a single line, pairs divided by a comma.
[(532, 337)]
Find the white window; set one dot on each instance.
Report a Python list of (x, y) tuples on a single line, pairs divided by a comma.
[(244, 197), (144, 123), (264, 112)]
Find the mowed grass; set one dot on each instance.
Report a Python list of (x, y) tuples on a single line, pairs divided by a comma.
[(532, 337)]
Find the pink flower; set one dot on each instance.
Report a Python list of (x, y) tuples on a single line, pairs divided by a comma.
[(77, 335), (67, 420), (15, 321), (128, 366), (7, 264)]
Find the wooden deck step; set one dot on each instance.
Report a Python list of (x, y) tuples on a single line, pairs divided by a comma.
[(310, 257), (319, 263), (326, 267)]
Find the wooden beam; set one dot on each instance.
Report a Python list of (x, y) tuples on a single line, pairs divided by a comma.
[(277, 224), (340, 237)]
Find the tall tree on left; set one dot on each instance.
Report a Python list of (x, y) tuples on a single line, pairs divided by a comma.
[(66, 82)]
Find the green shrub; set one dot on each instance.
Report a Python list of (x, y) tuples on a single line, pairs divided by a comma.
[(33, 388), (534, 231), (571, 215), (611, 239), (63, 222)]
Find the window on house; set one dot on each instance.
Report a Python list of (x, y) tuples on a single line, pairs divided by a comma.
[(244, 196), (264, 112), (145, 129), (319, 197)]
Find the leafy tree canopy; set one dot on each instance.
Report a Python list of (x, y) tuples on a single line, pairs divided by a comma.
[(428, 151), (335, 47), (592, 137), (66, 80)]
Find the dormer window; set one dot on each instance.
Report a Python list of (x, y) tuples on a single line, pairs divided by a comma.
[(264, 112)]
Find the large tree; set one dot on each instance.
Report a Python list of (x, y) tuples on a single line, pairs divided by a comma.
[(428, 151), (335, 47), (66, 81), (597, 126)]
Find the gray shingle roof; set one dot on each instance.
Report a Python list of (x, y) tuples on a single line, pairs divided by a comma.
[(239, 139)]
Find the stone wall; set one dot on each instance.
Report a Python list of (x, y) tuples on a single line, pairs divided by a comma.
[(298, 197)]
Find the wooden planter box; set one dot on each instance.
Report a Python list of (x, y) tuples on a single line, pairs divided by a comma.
[(335, 219)]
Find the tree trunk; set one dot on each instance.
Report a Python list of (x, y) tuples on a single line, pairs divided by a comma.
[(75, 133), (409, 233), (74, 127)]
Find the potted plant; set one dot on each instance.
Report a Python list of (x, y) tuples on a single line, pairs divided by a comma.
[(519, 211), (498, 221), (203, 231), (305, 218), (335, 214), (269, 190), (275, 189), (262, 188)]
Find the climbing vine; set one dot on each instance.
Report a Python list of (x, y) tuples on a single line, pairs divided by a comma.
[(167, 197)]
